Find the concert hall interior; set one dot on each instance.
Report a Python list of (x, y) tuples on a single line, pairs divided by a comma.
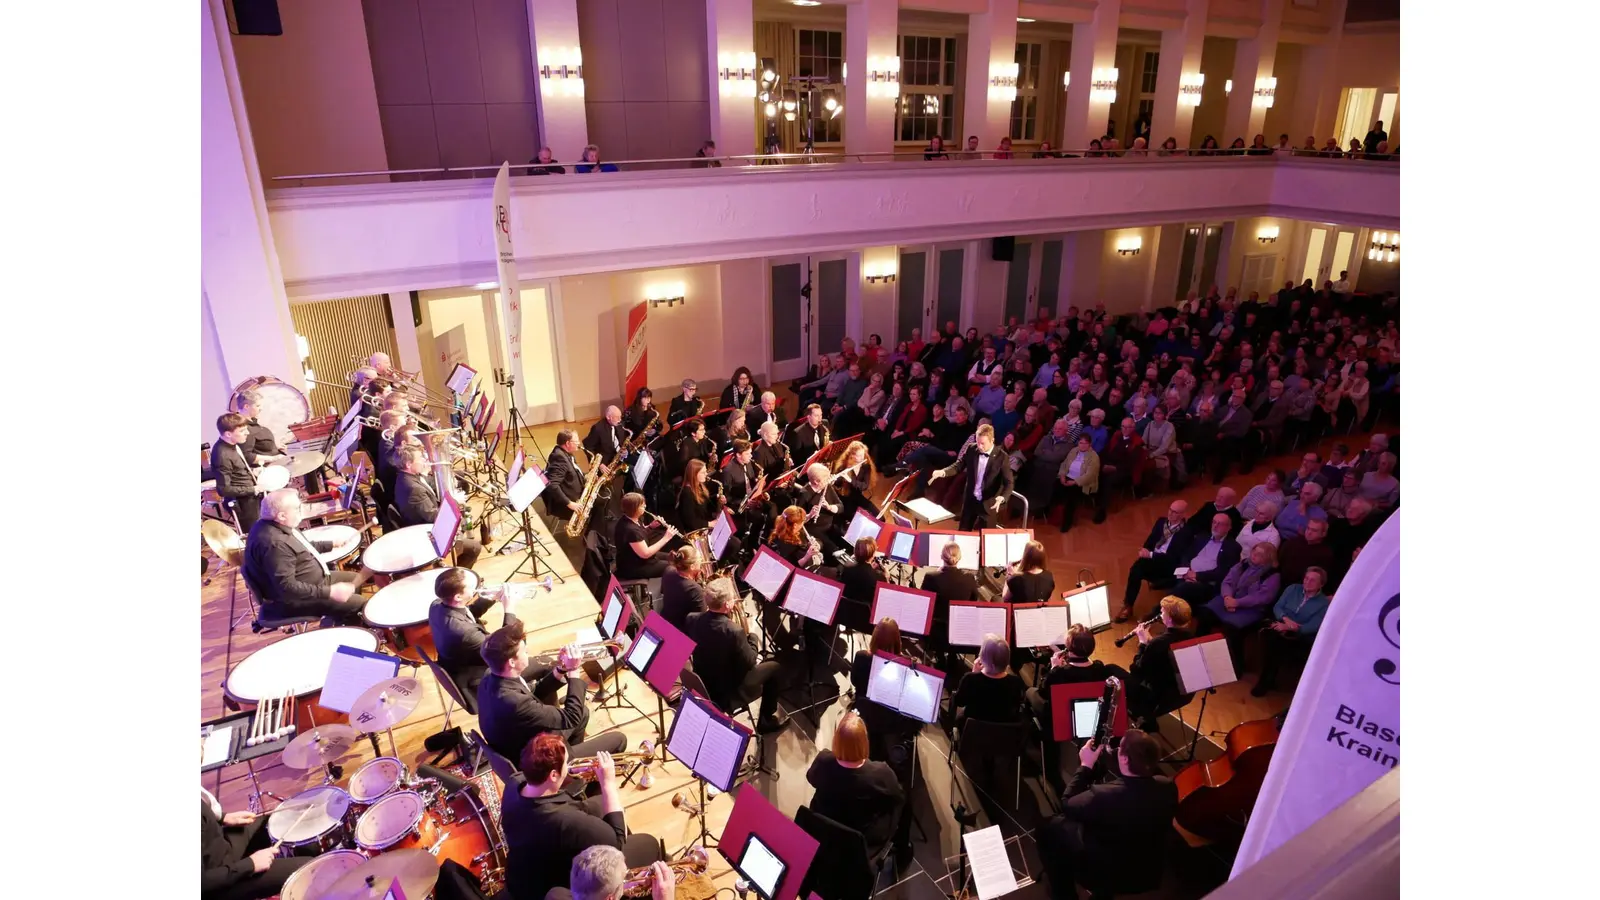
[(949, 447)]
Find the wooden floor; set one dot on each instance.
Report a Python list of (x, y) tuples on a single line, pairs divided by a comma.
[(1107, 549)]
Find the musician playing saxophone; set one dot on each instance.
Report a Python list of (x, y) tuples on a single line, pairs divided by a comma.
[(562, 495), (687, 405), (638, 556), (700, 503), (725, 659), (809, 435)]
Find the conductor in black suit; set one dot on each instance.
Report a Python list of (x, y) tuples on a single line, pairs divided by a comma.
[(238, 860), (988, 484), (282, 567), (417, 500), (1111, 836), (561, 496), (511, 715), (606, 436)]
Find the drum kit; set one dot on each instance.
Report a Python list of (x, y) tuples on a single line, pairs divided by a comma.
[(386, 822)]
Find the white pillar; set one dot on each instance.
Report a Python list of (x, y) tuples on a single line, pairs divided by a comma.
[(871, 36), (1180, 58), (405, 332), (1094, 46), (730, 43), (239, 275), (991, 48), (1252, 61), (1316, 97), (553, 35)]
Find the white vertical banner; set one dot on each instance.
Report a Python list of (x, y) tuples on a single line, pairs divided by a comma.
[(510, 298), (1343, 729)]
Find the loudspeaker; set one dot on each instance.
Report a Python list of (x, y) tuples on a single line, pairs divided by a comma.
[(416, 310), (1002, 249), (257, 17)]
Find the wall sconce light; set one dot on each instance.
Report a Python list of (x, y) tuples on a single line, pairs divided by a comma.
[(1385, 247), (561, 70), (884, 272), (1066, 79), (1267, 234), (1227, 87), (1003, 81), (1189, 87), (736, 73), (665, 293), (883, 76), (1130, 246), (1103, 86), (1266, 92)]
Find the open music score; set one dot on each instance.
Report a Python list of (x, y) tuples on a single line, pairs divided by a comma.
[(347, 442), (721, 530), (445, 525), (905, 687), (813, 596), (863, 524), (1004, 546), (615, 613), (992, 874), (970, 621), (1089, 606), (515, 472), (1039, 624), (460, 378), (710, 743), (768, 573), (970, 543), (1202, 663), (351, 672), (911, 609), (530, 484)]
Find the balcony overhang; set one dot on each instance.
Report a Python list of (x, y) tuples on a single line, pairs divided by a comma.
[(352, 239)]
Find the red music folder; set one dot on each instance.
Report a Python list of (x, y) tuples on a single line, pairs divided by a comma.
[(911, 609), (1062, 695)]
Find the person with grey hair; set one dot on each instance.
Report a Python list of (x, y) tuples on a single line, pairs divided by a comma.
[(1299, 512), (606, 436), (282, 567), (591, 161), (686, 404), (1260, 528), (599, 872)]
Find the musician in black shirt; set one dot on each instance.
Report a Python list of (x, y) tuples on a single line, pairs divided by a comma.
[(990, 692), (561, 497), (816, 496), (637, 556), (546, 827), (606, 435), (681, 593), (948, 583), (725, 659), (853, 790), (262, 443), (694, 445), (416, 498), (860, 586), (1072, 665), (685, 406), (458, 636), (509, 713), (1153, 676), (233, 467), (809, 435), (281, 565)]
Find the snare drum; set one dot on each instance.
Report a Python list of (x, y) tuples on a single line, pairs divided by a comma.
[(313, 879), (376, 779), (454, 829), (272, 478), (401, 551), (401, 607), (345, 540), (296, 665), (313, 819)]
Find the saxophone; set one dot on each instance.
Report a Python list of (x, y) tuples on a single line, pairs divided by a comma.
[(591, 491)]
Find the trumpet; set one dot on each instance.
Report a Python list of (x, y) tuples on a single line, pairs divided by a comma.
[(641, 881), (587, 768), (493, 590)]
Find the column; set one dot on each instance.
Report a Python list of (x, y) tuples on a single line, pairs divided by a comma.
[(1316, 98), (991, 51), (405, 333), (1180, 61), (1230, 231), (730, 44), (553, 35), (241, 284), (1094, 46), (1252, 60), (871, 50)]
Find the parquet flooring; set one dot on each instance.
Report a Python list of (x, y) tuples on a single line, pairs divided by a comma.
[(1107, 549)]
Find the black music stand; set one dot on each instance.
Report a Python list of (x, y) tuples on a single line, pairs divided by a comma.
[(701, 739), (534, 477)]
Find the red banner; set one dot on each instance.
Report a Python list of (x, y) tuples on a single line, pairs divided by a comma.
[(638, 354)]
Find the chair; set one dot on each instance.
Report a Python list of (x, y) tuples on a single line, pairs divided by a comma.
[(450, 695), (503, 768), (850, 872), (288, 624), (994, 741)]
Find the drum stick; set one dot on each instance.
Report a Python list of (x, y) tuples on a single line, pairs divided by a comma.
[(255, 724), (289, 726)]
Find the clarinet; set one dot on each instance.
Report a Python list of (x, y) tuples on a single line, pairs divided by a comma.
[(1108, 712), (1151, 620)]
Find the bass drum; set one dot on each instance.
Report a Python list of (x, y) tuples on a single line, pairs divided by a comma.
[(282, 405)]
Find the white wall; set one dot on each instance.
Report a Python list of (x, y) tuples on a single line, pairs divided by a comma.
[(214, 387)]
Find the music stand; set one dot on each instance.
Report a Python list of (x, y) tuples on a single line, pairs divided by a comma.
[(767, 574), (1040, 624), (657, 655), (616, 614), (970, 620), (1063, 697), (905, 686), (1202, 665), (911, 608), (711, 744), (754, 814), (1090, 606), (446, 525), (530, 484)]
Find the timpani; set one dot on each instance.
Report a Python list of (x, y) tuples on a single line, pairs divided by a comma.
[(296, 665), (401, 608), (345, 540), (401, 552)]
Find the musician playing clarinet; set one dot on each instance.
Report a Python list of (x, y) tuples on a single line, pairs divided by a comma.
[(638, 556), (1153, 676), (817, 497)]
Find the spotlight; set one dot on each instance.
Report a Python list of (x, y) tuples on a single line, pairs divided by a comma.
[(830, 101)]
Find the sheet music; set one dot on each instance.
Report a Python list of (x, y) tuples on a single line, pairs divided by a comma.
[(530, 484), (350, 416), (1091, 608), (443, 534), (1204, 665), (351, 672), (1085, 718), (347, 442), (886, 682), (721, 530), (215, 746), (902, 545), (930, 511), (812, 598), (589, 635), (688, 731), (721, 752), (1004, 548), (515, 472), (641, 469), (969, 544), (1040, 627), (909, 609), (460, 378), (920, 693), (768, 573), (968, 624), (862, 525), (991, 866)]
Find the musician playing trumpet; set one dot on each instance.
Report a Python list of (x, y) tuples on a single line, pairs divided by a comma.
[(601, 873), (638, 556), (455, 620), (510, 714), (546, 827), (725, 659)]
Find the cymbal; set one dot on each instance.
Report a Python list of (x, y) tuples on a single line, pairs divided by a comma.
[(417, 870), (319, 746), (305, 463), (386, 704)]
